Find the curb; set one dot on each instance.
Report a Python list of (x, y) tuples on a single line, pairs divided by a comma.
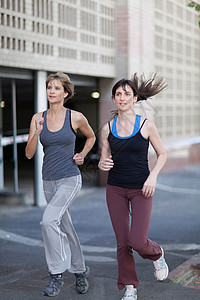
[(192, 265)]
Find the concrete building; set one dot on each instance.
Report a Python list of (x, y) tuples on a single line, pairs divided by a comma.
[(96, 42)]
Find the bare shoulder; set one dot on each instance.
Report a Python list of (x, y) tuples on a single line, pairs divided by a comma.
[(148, 129), (37, 116), (149, 124), (106, 130), (77, 116)]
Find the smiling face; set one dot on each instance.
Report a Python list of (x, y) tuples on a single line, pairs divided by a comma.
[(124, 98), (55, 91)]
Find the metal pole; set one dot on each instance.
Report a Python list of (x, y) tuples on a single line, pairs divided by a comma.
[(14, 120)]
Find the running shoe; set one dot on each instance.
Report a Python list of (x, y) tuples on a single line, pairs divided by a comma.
[(161, 269), (130, 293), (82, 284), (54, 286)]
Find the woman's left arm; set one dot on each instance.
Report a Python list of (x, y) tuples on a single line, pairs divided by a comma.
[(80, 122), (154, 138)]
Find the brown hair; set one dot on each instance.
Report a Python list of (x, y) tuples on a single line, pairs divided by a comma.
[(142, 88), (66, 83)]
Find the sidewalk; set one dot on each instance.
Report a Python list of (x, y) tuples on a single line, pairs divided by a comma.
[(22, 262)]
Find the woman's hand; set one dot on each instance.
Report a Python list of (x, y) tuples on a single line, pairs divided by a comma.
[(106, 164), (149, 186), (79, 159), (39, 125)]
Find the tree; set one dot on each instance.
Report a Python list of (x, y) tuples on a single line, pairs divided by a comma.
[(196, 5)]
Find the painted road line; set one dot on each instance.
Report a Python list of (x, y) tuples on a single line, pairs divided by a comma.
[(13, 237), (177, 190)]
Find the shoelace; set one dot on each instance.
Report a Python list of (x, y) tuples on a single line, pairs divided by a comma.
[(52, 280), (159, 264), (130, 291), (80, 280)]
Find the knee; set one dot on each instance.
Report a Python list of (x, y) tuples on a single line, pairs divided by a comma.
[(49, 223), (138, 246)]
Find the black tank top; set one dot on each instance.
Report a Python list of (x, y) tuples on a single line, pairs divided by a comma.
[(130, 157)]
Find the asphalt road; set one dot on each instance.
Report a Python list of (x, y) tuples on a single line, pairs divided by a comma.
[(175, 224)]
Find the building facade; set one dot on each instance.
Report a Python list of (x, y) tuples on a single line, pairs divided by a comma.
[(97, 42)]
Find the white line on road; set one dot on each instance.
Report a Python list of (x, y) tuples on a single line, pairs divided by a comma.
[(177, 190), (13, 237)]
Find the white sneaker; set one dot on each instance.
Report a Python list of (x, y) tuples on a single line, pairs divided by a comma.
[(130, 293), (161, 269)]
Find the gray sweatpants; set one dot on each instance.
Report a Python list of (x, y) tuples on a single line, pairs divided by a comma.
[(62, 247)]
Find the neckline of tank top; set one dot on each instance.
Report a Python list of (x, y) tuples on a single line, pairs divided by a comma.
[(136, 128), (63, 123)]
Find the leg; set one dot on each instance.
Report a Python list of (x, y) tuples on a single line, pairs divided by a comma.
[(77, 259), (118, 206), (141, 214), (59, 194)]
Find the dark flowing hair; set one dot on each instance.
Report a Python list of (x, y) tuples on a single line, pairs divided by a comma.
[(142, 88)]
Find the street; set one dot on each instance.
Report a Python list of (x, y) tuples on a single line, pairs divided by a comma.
[(175, 224)]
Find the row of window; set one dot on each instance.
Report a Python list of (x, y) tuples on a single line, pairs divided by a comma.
[(13, 44), (13, 21), (67, 52), (67, 34), (85, 38), (88, 39), (106, 59), (45, 49), (89, 4), (107, 26), (171, 9), (107, 43), (179, 60), (85, 56), (41, 48), (43, 9), (42, 28), (67, 15), (176, 35), (108, 11), (15, 5), (88, 21), (180, 24), (93, 5), (176, 47)]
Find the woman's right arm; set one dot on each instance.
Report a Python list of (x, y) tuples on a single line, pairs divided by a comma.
[(35, 130), (105, 162)]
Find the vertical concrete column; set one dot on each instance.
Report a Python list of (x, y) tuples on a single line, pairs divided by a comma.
[(41, 105), (140, 37), (135, 37), (1, 148), (106, 105), (122, 24)]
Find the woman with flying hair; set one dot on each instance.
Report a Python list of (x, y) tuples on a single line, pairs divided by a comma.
[(131, 185), (56, 128)]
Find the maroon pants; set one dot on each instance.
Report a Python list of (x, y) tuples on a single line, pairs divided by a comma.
[(130, 234)]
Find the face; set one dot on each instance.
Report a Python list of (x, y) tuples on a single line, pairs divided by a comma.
[(55, 91), (124, 98)]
